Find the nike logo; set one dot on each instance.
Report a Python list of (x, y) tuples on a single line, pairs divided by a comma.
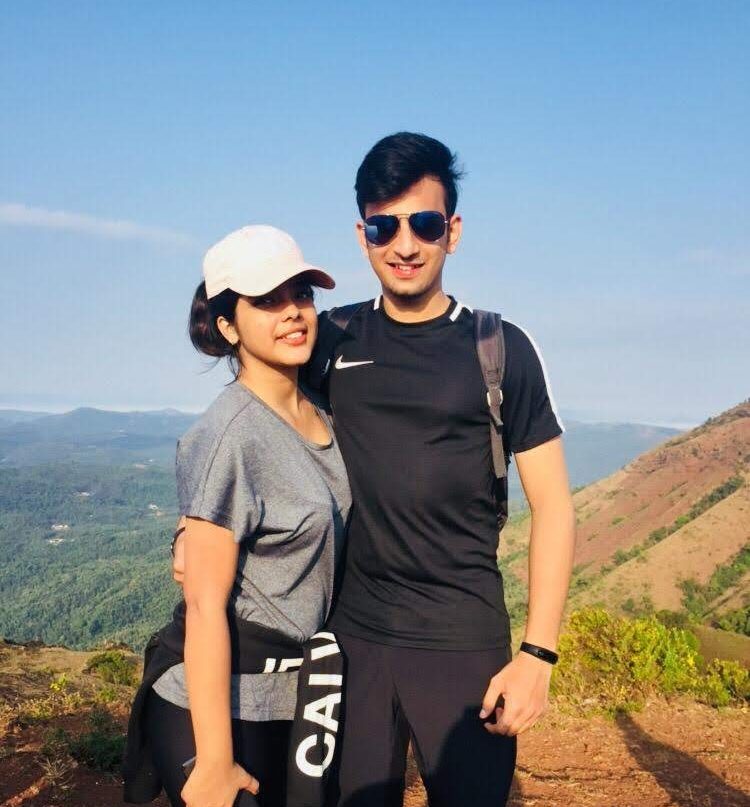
[(343, 365)]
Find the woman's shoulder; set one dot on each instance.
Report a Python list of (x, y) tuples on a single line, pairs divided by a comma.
[(229, 414)]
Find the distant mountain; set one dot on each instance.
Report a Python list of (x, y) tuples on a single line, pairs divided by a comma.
[(19, 416), (94, 435), (669, 531), (593, 450)]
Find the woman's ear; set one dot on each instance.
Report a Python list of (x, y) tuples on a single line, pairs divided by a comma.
[(227, 330)]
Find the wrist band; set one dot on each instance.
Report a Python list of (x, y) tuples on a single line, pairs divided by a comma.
[(176, 535), (540, 652)]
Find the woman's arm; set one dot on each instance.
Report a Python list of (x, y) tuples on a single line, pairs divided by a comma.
[(210, 567)]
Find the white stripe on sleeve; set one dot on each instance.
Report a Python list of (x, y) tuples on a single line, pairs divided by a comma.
[(544, 371)]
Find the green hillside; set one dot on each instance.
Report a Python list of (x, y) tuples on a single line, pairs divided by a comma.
[(84, 553)]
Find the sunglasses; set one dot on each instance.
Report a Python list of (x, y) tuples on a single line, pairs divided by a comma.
[(427, 225)]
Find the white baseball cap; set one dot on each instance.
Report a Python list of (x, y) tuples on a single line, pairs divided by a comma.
[(256, 259)]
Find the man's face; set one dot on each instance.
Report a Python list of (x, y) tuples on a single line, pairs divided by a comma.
[(408, 267)]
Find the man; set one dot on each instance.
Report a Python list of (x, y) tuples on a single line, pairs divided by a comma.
[(420, 614)]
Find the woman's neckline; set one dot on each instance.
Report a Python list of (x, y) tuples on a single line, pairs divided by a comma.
[(301, 437)]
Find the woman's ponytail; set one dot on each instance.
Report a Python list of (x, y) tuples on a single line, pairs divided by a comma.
[(204, 334)]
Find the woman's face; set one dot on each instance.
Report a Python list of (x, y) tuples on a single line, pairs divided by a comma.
[(277, 329)]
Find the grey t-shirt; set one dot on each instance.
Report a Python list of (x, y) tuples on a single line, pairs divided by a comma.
[(286, 500)]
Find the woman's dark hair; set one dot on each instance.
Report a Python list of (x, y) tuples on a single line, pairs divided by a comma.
[(204, 334), (399, 160)]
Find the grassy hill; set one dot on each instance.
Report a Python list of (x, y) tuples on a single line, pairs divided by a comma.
[(668, 532), (84, 553)]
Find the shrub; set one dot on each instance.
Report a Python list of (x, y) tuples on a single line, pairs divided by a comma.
[(60, 683), (55, 760), (611, 664), (697, 597), (674, 619), (656, 535), (102, 746), (114, 667), (55, 744), (725, 682), (42, 710), (737, 621)]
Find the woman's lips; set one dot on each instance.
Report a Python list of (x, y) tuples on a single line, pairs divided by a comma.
[(294, 338)]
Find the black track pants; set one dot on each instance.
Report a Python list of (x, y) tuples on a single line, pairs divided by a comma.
[(433, 697), (260, 747)]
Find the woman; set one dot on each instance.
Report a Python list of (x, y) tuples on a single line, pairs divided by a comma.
[(263, 493)]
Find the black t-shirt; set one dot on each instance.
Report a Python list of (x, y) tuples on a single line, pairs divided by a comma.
[(410, 412)]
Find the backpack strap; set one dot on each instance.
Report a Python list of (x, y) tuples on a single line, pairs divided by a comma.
[(490, 342), (332, 325), (342, 316)]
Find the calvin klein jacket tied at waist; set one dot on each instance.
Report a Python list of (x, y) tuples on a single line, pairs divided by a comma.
[(255, 649)]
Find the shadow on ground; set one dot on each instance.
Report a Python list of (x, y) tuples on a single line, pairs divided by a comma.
[(687, 781)]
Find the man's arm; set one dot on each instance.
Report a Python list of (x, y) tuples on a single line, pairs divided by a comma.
[(524, 682), (178, 552)]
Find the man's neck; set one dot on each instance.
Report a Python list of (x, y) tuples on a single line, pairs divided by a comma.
[(415, 309)]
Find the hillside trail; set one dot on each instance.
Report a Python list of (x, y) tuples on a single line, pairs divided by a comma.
[(679, 754)]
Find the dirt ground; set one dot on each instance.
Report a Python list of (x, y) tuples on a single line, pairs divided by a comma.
[(679, 753)]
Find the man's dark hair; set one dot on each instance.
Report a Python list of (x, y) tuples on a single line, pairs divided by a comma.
[(399, 160)]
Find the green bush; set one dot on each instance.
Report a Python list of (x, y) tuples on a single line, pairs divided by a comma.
[(674, 619), (737, 621), (611, 664), (114, 667), (102, 746), (697, 598), (725, 682)]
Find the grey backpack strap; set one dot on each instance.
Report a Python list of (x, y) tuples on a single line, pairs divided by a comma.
[(332, 326), (342, 316), (488, 333)]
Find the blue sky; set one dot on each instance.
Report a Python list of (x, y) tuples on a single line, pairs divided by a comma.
[(605, 205)]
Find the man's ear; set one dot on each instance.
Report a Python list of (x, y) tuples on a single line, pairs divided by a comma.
[(227, 330), (455, 225), (360, 230)]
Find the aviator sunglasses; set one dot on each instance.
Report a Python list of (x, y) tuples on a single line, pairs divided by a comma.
[(427, 225)]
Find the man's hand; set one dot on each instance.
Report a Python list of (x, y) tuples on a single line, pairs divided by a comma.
[(524, 686), (178, 556)]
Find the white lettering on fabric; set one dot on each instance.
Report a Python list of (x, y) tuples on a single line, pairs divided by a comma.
[(321, 711), (301, 757)]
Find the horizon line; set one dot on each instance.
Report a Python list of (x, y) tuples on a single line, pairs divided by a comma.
[(192, 410)]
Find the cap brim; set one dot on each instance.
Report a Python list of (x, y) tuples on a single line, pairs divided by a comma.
[(315, 275)]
